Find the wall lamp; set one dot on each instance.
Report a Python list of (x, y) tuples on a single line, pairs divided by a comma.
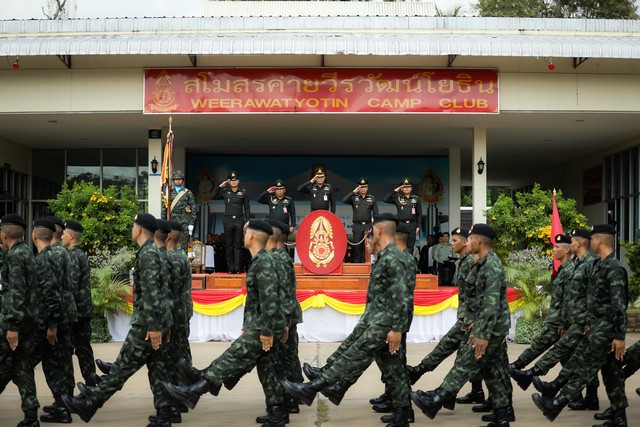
[(480, 166), (154, 165)]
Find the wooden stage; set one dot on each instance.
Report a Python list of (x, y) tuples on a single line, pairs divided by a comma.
[(350, 277)]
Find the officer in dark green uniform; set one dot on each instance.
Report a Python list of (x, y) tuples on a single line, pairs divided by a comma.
[(18, 317), (365, 208), (236, 213), (320, 193), (182, 207), (604, 342), (281, 207), (409, 209), (145, 342)]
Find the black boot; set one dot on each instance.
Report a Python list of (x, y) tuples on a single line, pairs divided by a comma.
[(92, 380), (404, 414), (105, 367), (524, 378), (378, 400), (336, 392), (311, 371), (60, 413), (430, 402), (476, 395), (305, 392), (167, 413), (638, 391), (277, 416), (501, 417), (383, 407), (416, 372), (630, 367), (190, 394), (605, 415), (511, 416), (518, 364), (192, 374), (589, 403), (551, 408), (548, 389), (85, 405), (30, 419), (292, 405), (618, 419), (266, 418), (487, 406)]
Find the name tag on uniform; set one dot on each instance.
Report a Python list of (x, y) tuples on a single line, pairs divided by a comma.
[(239, 193), (326, 198), (273, 207), (284, 209), (413, 210)]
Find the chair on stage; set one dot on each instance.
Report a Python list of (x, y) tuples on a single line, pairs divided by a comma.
[(209, 259)]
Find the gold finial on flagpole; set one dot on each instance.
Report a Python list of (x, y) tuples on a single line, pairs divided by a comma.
[(554, 191), (170, 122)]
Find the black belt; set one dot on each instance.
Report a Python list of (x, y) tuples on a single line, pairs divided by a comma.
[(232, 216), (362, 222), (408, 221)]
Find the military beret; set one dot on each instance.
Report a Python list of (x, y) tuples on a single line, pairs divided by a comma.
[(73, 226), (385, 217), (44, 223), (483, 230), (461, 231), (233, 175), (279, 183), (175, 226), (13, 219), (603, 229), (177, 175), (319, 172), (406, 182), (146, 221), (563, 238), (164, 226), (403, 228), (363, 181), (56, 220), (581, 232), (260, 225), (279, 224)]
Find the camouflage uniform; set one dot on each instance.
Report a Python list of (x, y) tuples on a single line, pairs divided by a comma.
[(151, 312), (491, 322), (184, 212), (262, 316), (607, 319), (183, 303), (19, 312), (80, 279)]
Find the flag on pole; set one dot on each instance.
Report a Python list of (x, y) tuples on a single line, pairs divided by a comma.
[(167, 170), (556, 228)]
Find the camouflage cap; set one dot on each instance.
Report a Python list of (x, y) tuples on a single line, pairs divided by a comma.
[(603, 229), (164, 226), (146, 221), (177, 175), (73, 226), (563, 239), (581, 232), (13, 219), (44, 223)]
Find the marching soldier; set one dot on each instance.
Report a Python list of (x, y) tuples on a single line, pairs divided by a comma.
[(320, 193), (236, 214), (182, 207), (18, 317), (182, 269), (365, 208), (281, 207), (409, 209)]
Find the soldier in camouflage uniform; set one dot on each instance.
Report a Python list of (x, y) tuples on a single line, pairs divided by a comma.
[(604, 342), (365, 208), (281, 207), (145, 342), (182, 207), (183, 303), (378, 335), (80, 279), (263, 325), (486, 349), (18, 317)]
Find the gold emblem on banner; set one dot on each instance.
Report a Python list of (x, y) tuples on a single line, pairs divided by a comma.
[(431, 188), (321, 249), (163, 96)]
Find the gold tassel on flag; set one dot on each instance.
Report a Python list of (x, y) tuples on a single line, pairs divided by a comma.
[(167, 169)]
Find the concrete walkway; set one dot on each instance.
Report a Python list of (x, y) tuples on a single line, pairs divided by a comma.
[(132, 405)]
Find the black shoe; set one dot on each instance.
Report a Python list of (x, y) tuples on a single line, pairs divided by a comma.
[(416, 372), (405, 415), (548, 389), (84, 389), (604, 415), (472, 397), (524, 378), (589, 403), (638, 391), (276, 416), (53, 407), (378, 400), (551, 408), (193, 374), (618, 419), (265, 418), (383, 407), (105, 367), (336, 392), (181, 407), (293, 406), (510, 415), (190, 394), (487, 406), (93, 380), (432, 401), (155, 421), (30, 419), (518, 364), (305, 392), (501, 417), (168, 413), (312, 372), (85, 405), (60, 415)]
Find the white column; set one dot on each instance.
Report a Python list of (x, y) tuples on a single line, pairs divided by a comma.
[(479, 181), (454, 188), (155, 197)]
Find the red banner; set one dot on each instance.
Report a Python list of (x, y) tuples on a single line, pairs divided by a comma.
[(321, 242), (320, 90)]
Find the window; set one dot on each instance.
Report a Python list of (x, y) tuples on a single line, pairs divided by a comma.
[(83, 165), (622, 192)]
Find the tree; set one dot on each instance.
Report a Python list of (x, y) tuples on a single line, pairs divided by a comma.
[(59, 9), (514, 8), (633, 255), (611, 9)]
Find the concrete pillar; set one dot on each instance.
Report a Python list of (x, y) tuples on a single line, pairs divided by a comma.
[(454, 188), (155, 194), (479, 181)]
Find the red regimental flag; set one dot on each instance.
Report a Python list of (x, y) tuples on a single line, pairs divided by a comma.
[(167, 170), (556, 228)]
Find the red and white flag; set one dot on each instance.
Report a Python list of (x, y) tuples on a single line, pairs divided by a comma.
[(556, 228), (167, 170)]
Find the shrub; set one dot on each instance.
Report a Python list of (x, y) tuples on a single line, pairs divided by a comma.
[(633, 256)]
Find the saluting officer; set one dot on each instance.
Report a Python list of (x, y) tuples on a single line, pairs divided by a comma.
[(409, 209), (365, 208), (281, 207), (320, 192), (236, 213)]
